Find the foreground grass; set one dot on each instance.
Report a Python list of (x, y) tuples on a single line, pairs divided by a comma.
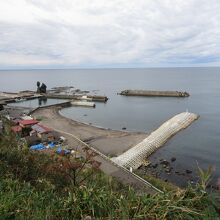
[(39, 186)]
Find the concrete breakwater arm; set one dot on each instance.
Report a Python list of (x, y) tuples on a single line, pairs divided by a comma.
[(135, 156), (77, 97), (83, 104), (154, 93)]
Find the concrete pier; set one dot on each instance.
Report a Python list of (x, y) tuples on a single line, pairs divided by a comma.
[(154, 93), (134, 157), (83, 104), (77, 97), (8, 97)]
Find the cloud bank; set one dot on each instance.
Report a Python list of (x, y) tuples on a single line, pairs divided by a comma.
[(100, 33)]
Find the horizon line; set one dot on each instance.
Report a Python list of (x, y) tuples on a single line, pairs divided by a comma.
[(84, 68)]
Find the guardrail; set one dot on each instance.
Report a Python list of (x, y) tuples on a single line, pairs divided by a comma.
[(145, 182)]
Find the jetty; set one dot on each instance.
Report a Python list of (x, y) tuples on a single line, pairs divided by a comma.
[(149, 93), (83, 104), (135, 157), (95, 98), (9, 97)]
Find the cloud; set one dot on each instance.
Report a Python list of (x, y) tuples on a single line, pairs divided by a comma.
[(80, 33)]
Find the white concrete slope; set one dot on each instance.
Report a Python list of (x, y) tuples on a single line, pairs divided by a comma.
[(135, 156)]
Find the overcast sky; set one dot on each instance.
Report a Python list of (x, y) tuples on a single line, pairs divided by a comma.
[(109, 33)]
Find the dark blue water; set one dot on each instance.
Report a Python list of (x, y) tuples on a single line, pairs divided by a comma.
[(200, 142)]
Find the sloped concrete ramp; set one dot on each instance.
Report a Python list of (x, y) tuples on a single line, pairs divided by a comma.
[(134, 157)]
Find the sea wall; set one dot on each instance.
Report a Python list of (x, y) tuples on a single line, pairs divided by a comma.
[(154, 93), (135, 156), (77, 97)]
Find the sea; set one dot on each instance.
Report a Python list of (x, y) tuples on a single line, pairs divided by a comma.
[(198, 145)]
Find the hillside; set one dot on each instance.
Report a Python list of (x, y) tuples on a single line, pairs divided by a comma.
[(49, 186)]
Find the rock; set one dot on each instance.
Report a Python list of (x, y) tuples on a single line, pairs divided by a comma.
[(124, 128), (173, 159), (188, 171), (165, 162), (155, 165), (85, 115), (168, 170)]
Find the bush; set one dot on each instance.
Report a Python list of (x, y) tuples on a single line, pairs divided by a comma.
[(47, 186)]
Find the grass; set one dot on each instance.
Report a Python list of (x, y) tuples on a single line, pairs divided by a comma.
[(40, 186)]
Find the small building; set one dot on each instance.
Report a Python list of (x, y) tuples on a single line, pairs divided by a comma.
[(28, 123), (42, 132)]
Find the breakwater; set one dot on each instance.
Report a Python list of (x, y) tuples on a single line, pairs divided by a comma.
[(135, 156), (8, 97), (154, 93), (77, 97)]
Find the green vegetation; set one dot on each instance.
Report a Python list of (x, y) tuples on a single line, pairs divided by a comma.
[(160, 184), (46, 186)]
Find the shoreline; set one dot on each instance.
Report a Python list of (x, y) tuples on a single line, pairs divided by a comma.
[(109, 142), (102, 139), (100, 127), (104, 142)]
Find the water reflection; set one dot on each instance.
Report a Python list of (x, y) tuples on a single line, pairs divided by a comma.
[(42, 100)]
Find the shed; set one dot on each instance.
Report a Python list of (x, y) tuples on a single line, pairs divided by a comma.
[(28, 123), (41, 131)]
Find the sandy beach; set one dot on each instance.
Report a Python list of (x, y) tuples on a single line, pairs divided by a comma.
[(108, 142)]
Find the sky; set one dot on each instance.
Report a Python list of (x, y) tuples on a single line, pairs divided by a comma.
[(109, 33)]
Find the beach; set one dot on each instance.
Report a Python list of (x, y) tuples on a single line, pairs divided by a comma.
[(108, 142)]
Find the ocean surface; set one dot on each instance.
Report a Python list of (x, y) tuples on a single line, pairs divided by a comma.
[(198, 143)]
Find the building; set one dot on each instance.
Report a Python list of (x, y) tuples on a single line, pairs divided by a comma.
[(43, 132), (28, 123)]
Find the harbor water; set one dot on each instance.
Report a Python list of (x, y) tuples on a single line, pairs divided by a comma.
[(198, 143)]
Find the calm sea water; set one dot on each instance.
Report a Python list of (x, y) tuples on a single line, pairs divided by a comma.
[(200, 142)]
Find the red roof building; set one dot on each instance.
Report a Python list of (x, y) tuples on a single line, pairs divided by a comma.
[(28, 123)]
